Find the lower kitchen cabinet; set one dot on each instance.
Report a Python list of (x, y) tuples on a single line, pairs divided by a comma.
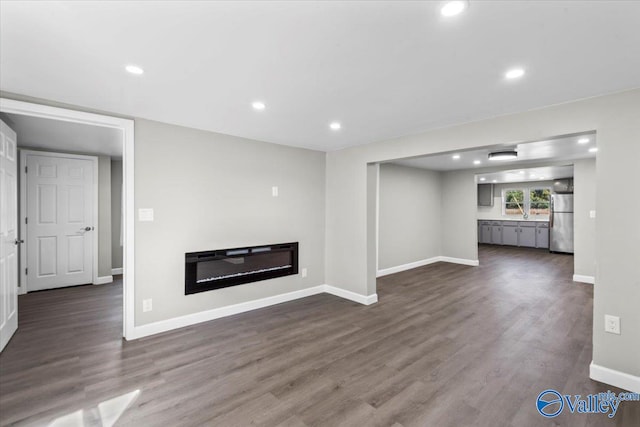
[(530, 234), (542, 236), (527, 237), (510, 234), (496, 233), (484, 231)]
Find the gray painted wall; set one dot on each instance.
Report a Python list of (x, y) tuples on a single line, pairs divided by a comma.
[(409, 210), (617, 288), (116, 213), (213, 191), (104, 216), (584, 200), (459, 229), (616, 119)]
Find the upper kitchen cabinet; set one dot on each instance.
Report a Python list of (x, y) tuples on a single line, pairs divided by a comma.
[(485, 194)]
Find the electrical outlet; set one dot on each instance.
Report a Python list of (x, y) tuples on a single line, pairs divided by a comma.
[(612, 324), (274, 191), (147, 305), (592, 214), (304, 272)]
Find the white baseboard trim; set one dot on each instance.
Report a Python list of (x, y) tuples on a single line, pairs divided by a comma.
[(342, 293), (101, 280), (615, 378), (116, 271), (216, 313), (409, 266), (423, 262), (471, 262), (584, 279)]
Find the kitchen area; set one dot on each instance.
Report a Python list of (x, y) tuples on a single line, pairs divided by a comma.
[(530, 208), (535, 197)]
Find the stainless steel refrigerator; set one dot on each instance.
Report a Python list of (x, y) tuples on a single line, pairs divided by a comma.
[(561, 223)]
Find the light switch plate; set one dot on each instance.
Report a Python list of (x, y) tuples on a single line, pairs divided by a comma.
[(612, 324), (274, 191), (592, 214), (145, 214), (304, 272)]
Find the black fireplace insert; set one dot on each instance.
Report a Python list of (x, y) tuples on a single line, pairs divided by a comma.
[(208, 270)]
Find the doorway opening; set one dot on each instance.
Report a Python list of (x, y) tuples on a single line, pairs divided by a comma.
[(76, 170), (457, 206)]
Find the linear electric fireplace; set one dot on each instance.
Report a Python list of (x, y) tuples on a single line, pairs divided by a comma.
[(205, 271)]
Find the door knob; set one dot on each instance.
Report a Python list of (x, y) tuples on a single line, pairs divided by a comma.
[(18, 241), (87, 228)]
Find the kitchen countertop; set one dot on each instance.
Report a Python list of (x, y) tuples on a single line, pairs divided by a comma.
[(515, 219)]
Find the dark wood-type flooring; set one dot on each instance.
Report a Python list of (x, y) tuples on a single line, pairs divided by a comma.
[(447, 345)]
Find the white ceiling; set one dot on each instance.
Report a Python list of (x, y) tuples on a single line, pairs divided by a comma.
[(383, 69), (558, 149), (56, 135), (526, 175)]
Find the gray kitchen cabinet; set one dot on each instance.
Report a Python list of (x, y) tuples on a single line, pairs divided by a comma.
[(496, 232), (527, 234), (485, 194), (542, 235), (510, 233), (486, 234)]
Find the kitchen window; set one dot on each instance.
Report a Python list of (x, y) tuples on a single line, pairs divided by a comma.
[(523, 202)]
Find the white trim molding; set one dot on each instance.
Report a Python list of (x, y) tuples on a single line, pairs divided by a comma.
[(471, 262), (102, 280), (615, 378), (216, 313), (230, 310), (342, 293), (423, 262), (116, 271), (584, 279), (408, 266)]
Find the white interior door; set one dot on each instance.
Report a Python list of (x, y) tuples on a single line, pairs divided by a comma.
[(60, 220), (8, 235)]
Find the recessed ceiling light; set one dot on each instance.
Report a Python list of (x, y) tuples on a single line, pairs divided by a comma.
[(134, 69), (483, 179), (521, 172), (583, 140), (593, 149), (514, 73), (453, 8), (542, 177), (257, 105), (494, 181), (476, 162), (503, 155), (456, 156), (533, 175), (335, 125)]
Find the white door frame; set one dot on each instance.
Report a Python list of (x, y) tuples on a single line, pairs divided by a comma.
[(23, 212), (126, 126)]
